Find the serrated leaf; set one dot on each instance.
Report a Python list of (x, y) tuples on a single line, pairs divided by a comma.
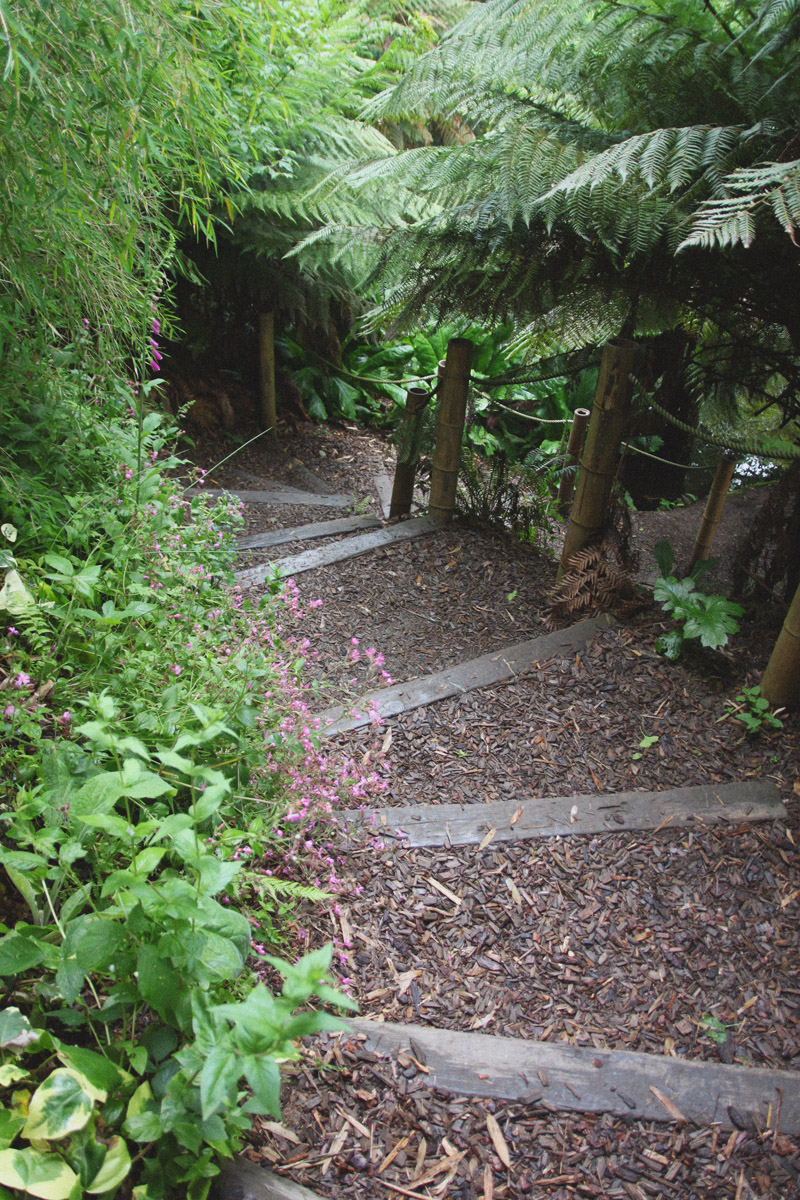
[(219, 1078), (262, 1074)]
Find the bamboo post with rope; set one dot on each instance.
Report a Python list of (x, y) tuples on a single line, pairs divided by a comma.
[(713, 510), (601, 449), (266, 373), (577, 433), (453, 394), (407, 458), (780, 684)]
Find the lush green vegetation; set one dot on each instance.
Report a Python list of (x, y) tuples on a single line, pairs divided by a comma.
[(163, 796), (550, 175)]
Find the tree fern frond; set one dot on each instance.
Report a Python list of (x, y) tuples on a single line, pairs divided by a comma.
[(732, 220)]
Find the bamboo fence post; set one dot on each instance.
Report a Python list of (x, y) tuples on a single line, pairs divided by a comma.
[(266, 363), (713, 510), (453, 393), (566, 487), (407, 458), (601, 448), (781, 682)]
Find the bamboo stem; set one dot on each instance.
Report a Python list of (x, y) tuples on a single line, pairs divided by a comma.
[(407, 458), (601, 448), (781, 682), (266, 362), (453, 393), (713, 510), (577, 434)]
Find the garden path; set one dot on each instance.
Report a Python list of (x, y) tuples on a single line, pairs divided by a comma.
[(468, 1113)]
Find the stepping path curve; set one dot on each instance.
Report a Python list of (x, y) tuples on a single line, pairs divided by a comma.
[(553, 1075)]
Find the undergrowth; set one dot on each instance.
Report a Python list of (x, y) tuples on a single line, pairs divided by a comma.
[(165, 806)]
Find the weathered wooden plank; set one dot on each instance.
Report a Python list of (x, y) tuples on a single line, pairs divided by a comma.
[(564, 1077), (307, 560), (242, 1180), (274, 495), (383, 486), (464, 677), (304, 533), (566, 816)]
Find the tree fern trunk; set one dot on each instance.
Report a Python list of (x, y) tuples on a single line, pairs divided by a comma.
[(601, 450)]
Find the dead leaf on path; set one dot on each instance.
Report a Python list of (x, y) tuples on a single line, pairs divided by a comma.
[(573, 814), (488, 1183), (487, 839), (671, 1108), (387, 741), (516, 815), (279, 1130), (393, 1153), (498, 1141), (448, 1163), (359, 1128), (422, 1150), (512, 887), (440, 887), (405, 980)]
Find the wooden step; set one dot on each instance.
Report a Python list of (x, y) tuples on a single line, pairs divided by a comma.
[(515, 820), (305, 533), (308, 560), (560, 1077), (243, 1180), (464, 677), (274, 495)]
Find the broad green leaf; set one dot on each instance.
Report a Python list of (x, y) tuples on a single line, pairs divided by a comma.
[(91, 942), (14, 596), (215, 873), (220, 957), (59, 1106), (18, 954), (218, 1079), (16, 1031), (26, 890), (10, 1122), (262, 1074), (60, 564), (148, 859), (32, 1172), (100, 1072), (116, 1165)]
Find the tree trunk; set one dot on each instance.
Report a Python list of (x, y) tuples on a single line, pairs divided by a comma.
[(577, 434), (407, 455), (713, 510), (601, 450), (266, 362), (781, 682), (454, 391)]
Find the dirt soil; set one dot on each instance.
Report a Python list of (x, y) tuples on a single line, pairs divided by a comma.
[(621, 940)]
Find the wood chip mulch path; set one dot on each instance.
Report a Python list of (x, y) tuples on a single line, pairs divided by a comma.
[(679, 942)]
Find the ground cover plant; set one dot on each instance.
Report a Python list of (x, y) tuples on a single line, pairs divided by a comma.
[(145, 860)]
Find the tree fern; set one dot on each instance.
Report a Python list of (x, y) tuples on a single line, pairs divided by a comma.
[(605, 136)]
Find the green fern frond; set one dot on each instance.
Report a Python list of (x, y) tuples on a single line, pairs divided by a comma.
[(732, 220)]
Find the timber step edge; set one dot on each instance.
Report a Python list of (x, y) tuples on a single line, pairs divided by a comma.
[(243, 1180), (569, 816), (305, 533), (352, 547), (493, 667), (562, 1077)]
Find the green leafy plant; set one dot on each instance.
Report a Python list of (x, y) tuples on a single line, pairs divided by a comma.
[(715, 1029), (709, 618), (649, 740), (754, 711)]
